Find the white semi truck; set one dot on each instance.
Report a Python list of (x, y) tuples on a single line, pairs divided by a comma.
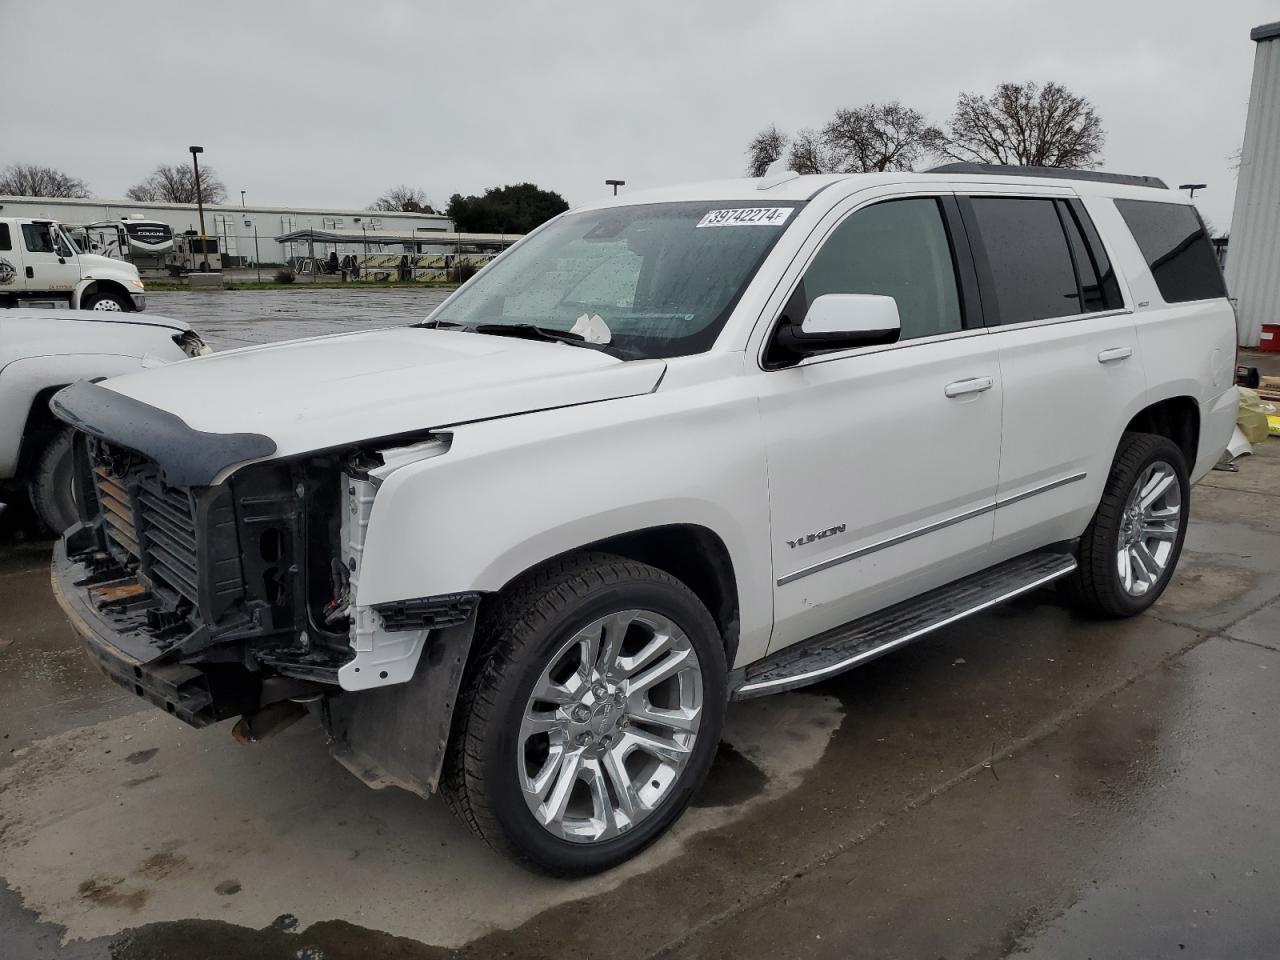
[(40, 262)]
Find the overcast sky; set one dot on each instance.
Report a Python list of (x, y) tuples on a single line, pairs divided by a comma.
[(327, 104)]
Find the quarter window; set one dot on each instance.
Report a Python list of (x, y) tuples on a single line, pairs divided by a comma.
[(1174, 243), (897, 249), (1031, 269)]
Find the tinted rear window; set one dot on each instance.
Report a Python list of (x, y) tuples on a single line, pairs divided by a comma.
[(1031, 267), (1176, 248)]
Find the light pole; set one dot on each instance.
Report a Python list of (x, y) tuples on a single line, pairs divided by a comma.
[(204, 241), (241, 199), (1192, 188), (615, 184), (257, 258)]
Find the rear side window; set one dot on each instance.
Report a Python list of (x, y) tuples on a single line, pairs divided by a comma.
[(1099, 289), (5, 242), (1174, 243), (1032, 276)]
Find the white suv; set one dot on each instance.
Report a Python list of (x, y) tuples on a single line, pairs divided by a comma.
[(698, 444)]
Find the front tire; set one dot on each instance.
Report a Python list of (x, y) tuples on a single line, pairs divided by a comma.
[(1131, 547), (105, 300), (591, 717), (51, 486)]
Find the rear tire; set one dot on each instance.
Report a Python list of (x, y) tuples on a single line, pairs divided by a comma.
[(534, 718), (1131, 547), (51, 486)]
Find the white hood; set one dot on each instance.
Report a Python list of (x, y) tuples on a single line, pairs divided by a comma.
[(312, 394)]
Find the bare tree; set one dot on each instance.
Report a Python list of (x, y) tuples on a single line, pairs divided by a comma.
[(33, 180), (809, 154), (877, 137), (764, 149), (404, 198), (176, 183), (1025, 124)]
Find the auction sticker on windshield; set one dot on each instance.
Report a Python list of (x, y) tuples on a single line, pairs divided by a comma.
[(746, 217)]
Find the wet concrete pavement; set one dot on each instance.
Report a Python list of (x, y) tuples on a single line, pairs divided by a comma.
[(1022, 784)]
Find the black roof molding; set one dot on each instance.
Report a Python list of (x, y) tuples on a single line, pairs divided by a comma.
[(1268, 31), (1057, 173)]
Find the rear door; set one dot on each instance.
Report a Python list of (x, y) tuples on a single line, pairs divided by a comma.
[(48, 263), (1068, 358)]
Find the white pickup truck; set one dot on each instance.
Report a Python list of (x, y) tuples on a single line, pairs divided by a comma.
[(41, 351), (39, 261), (711, 442)]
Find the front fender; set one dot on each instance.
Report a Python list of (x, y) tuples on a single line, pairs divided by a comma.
[(512, 493), (23, 380)]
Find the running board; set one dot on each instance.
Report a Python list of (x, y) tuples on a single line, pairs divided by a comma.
[(855, 643)]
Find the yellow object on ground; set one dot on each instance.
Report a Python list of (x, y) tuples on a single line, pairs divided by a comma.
[(1255, 416)]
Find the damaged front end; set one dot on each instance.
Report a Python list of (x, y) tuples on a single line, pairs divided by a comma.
[(214, 589)]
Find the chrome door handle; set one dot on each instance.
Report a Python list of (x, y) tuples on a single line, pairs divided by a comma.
[(963, 387), (1115, 353)]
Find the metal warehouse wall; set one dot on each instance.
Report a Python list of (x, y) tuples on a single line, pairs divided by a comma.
[(1253, 259), (228, 220)]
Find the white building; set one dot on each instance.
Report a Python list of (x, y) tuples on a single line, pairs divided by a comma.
[(242, 232), (1253, 261)]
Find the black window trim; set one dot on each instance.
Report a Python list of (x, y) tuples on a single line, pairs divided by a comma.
[(986, 283), (962, 262)]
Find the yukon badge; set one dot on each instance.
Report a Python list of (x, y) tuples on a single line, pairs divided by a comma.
[(809, 538)]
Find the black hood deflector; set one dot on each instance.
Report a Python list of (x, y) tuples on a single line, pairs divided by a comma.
[(188, 458)]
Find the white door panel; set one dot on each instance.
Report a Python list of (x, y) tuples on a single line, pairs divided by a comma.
[(894, 479), (43, 267), (1069, 390)]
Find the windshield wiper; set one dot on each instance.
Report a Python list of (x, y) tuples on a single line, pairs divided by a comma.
[(531, 331), (438, 325)]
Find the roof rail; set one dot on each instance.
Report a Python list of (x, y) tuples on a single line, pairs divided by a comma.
[(1059, 173)]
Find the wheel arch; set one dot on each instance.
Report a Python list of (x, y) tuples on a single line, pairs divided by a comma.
[(87, 288), (38, 426), (1176, 418), (693, 554)]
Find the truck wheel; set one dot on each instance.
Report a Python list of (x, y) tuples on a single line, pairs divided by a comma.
[(51, 486), (591, 717), (1128, 552), (104, 300)]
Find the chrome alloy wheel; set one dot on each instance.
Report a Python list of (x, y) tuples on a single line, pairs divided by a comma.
[(106, 304), (610, 726), (1148, 529)]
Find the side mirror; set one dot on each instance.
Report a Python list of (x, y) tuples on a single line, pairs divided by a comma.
[(840, 321)]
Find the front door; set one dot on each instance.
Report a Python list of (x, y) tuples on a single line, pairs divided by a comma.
[(48, 262), (883, 461)]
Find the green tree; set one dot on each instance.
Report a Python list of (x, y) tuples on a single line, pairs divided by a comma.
[(516, 208)]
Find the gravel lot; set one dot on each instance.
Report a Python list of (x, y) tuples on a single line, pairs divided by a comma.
[(1021, 784)]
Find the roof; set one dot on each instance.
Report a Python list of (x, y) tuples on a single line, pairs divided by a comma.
[(421, 235), (1268, 31), (766, 191)]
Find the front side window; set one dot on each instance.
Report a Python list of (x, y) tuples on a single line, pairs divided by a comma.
[(662, 277), (5, 242), (899, 249), (1174, 244), (1031, 273), (37, 237)]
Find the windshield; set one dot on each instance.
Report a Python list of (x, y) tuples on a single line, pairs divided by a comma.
[(655, 280)]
